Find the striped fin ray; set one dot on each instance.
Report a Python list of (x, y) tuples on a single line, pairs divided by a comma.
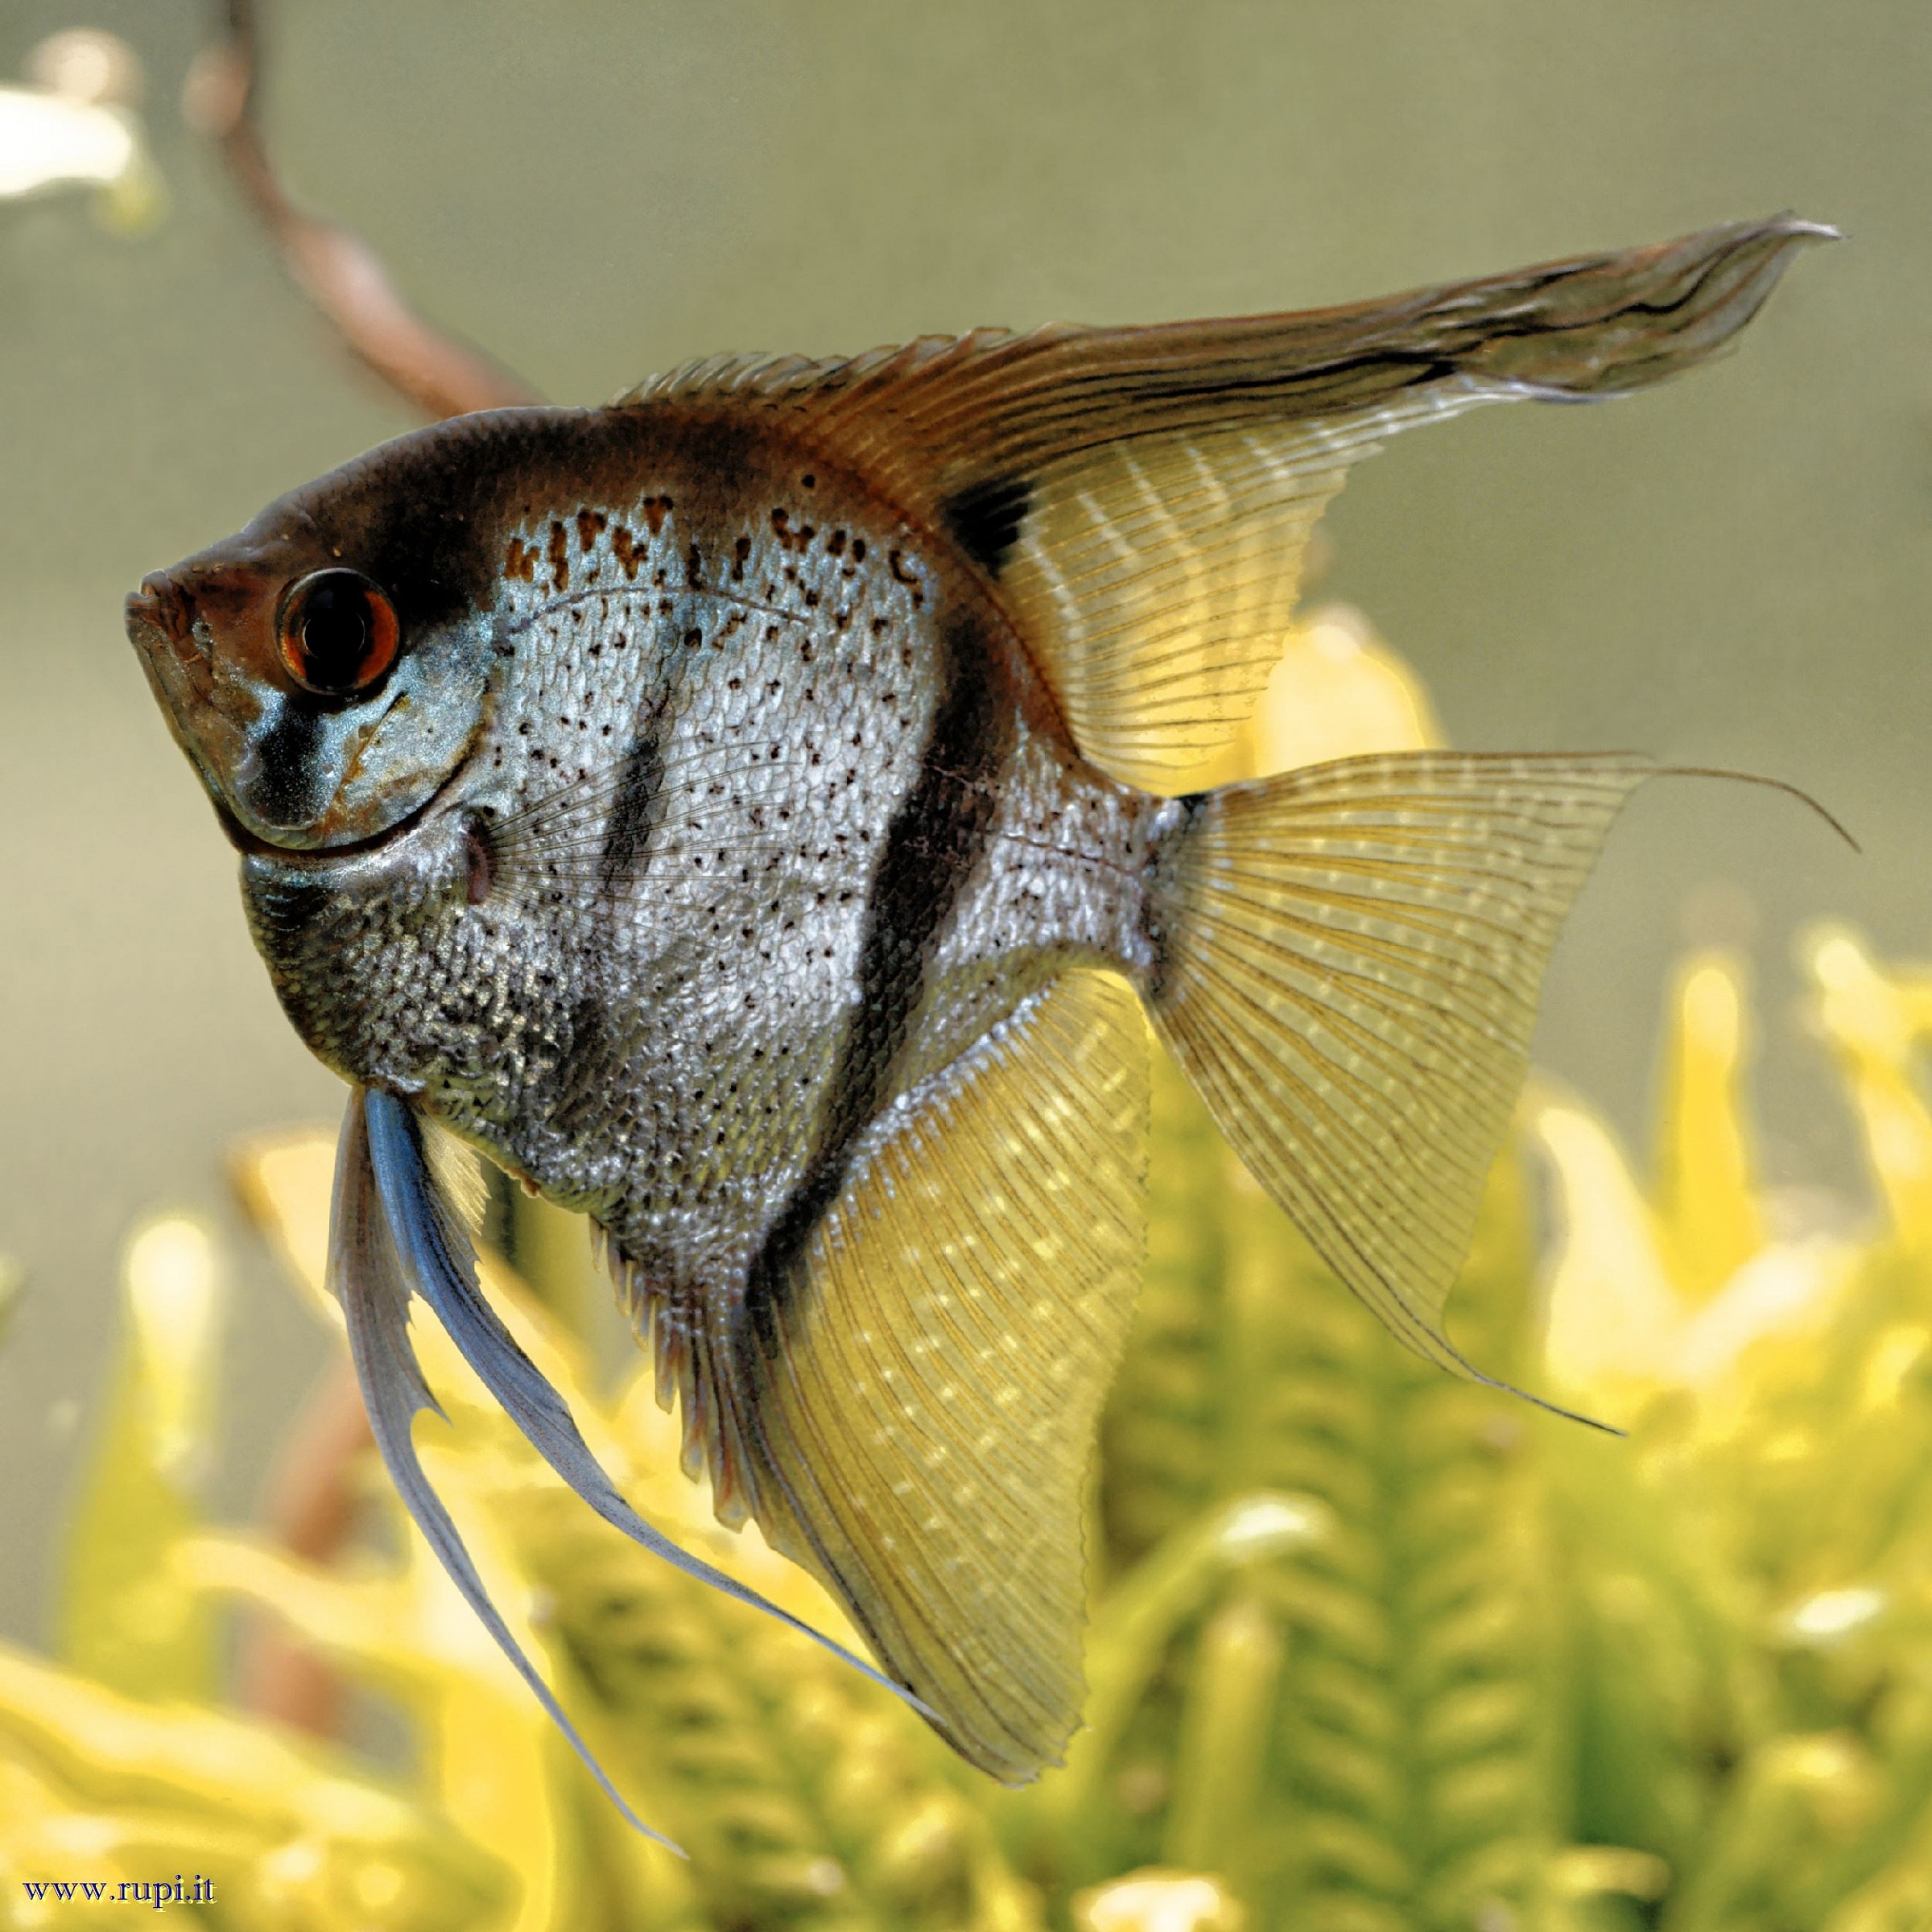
[(1165, 570), (920, 1414), (1352, 956), (1143, 496)]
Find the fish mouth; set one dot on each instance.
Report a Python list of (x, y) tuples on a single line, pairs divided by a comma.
[(160, 626), (160, 622), (161, 610)]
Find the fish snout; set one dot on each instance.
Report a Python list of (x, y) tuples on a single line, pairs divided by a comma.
[(160, 618), (161, 604), (177, 651), (159, 601)]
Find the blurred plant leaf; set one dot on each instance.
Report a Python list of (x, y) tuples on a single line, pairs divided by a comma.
[(292, 1841), (75, 127), (125, 1618), (1707, 1205)]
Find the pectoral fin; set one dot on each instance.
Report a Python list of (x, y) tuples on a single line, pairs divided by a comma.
[(920, 1419)]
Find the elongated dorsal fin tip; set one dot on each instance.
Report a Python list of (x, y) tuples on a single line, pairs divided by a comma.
[(1142, 498)]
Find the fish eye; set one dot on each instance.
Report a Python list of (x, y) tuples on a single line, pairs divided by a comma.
[(337, 633)]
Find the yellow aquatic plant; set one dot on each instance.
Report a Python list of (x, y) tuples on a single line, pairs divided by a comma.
[(1373, 1649)]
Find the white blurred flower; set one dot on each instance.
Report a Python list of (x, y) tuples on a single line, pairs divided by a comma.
[(74, 129)]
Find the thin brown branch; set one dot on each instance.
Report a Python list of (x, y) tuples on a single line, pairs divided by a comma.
[(334, 267), (310, 1511)]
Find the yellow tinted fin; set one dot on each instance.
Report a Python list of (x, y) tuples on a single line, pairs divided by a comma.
[(923, 1439), (1351, 956), (1156, 576), (1142, 497)]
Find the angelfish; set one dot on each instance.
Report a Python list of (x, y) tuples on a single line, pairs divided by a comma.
[(744, 813)]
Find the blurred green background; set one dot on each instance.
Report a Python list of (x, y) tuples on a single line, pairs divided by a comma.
[(1733, 572)]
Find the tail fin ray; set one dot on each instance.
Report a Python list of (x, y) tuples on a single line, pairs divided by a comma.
[(1350, 955)]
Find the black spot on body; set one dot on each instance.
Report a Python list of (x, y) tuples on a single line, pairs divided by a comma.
[(985, 519), (291, 787)]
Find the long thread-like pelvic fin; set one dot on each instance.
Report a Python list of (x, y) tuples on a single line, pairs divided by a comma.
[(437, 1262), (369, 1280)]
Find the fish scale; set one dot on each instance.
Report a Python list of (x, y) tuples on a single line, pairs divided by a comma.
[(744, 813)]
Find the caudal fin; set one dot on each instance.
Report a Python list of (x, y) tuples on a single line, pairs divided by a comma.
[(1349, 960)]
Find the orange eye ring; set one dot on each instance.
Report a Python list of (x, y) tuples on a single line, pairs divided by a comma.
[(337, 633)]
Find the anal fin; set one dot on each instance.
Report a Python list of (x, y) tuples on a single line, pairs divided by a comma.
[(921, 1433)]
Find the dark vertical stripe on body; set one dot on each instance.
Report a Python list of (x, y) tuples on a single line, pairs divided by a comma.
[(1165, 861), (588, 1072), (985, 519), (932, 846), (638, 783)]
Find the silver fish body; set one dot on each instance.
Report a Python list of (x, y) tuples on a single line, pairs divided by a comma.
[(743, 813), (770, 819)]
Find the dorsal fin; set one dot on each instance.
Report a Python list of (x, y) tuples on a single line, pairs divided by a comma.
[(1141, 496)]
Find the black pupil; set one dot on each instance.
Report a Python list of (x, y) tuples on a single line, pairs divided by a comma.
[(335, 628)]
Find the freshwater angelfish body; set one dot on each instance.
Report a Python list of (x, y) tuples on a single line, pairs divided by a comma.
[(743, 813)]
